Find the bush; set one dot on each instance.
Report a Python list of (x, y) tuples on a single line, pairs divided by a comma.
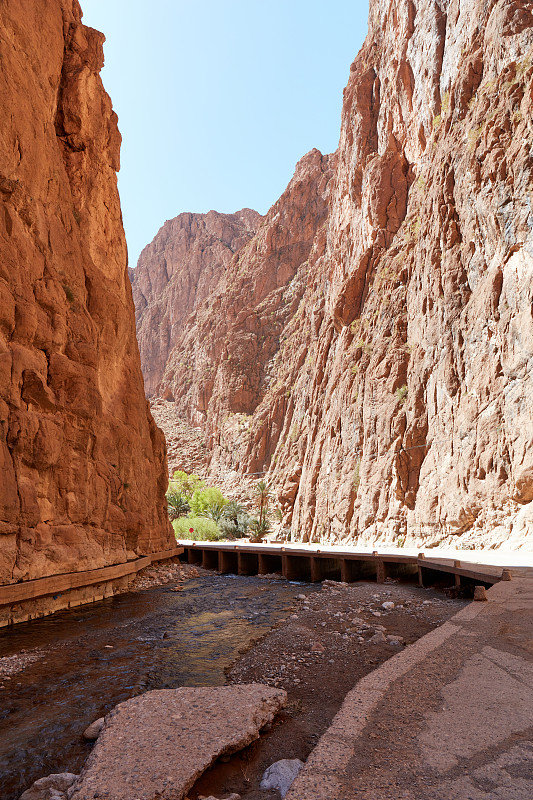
[(204, 530), (259, 529), (186, 485), (205, 499), (177, 504), (234, 521)]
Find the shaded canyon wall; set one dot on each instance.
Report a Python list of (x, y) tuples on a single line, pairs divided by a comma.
[(82, 464)]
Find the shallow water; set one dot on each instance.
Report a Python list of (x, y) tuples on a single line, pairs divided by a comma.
[(99, 655)]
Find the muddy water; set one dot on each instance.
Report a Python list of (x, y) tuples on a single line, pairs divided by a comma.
[(97, 656)]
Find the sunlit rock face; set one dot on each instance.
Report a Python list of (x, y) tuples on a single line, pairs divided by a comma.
[(175, 273), (82, 464), (371, 348)]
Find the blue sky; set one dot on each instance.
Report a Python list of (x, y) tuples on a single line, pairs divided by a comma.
[(217, 101)]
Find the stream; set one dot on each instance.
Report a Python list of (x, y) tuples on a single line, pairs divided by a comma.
[(95, 656)]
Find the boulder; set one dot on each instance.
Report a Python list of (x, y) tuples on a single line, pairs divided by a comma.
[(158, 744), (92, 732), (53, 787)]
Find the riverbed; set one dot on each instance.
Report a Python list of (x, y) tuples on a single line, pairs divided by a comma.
[(59, 674), (64, 671)]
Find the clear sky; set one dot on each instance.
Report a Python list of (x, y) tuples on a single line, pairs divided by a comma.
[(217, 101)]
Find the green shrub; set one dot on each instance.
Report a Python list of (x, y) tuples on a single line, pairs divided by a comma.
[(204, 530), (205, 499), (177, 504), (69, 294), (186, 485), (401, 394), (235, 521), (259, 529), (215, 510)]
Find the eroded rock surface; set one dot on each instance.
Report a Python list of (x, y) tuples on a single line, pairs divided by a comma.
[(175, 273), (82, 464), (158, 744), (52, 787), (381, 375)]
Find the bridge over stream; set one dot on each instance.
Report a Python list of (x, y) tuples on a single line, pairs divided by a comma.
[(314, 563)]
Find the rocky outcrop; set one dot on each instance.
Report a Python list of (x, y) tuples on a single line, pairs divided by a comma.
[(82, 464), (175, 273), (391, 399), (415, 422)]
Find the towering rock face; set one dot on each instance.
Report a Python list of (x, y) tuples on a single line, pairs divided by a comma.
[(175, 273), (220, 369), (82, 464), (393, 401)]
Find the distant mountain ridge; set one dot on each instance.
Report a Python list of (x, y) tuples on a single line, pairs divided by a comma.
[(175, 272)]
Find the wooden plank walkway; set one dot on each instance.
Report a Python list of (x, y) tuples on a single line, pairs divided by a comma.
[(55, 584), (317, 562)]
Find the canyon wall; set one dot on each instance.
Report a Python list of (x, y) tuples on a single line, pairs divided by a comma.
[(385, 384), (175, 273), (82, 464)]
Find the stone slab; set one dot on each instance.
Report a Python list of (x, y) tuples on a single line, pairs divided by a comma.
[(158, 744)]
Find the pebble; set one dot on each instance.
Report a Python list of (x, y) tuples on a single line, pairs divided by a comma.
[(388, 605), (281, 775), (212, 797), (93, 731)]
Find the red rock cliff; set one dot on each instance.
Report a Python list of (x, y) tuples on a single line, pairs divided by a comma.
[(82, 464), (220, 368), (395, 404), (175, 273)]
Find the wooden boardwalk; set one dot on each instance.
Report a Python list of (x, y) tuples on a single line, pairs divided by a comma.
[(319, 562), (13, 594)]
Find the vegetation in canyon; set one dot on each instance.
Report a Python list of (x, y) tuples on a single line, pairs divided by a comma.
[(201, 512)]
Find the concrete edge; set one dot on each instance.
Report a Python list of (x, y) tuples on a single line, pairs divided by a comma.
[(335, 748)]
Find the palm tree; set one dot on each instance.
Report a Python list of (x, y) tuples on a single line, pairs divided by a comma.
[(263, 496)]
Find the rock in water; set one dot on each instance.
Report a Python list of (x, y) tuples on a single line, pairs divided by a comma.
[(53, 787), (94, 730), (158, 744), (281, 775)]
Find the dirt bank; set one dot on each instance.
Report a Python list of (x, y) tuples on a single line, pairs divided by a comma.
[(333, 638)]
